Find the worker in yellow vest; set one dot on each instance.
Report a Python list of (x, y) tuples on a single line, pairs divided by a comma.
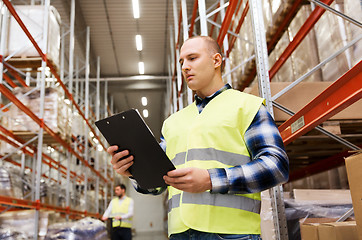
[(120, 210), (226, 148)]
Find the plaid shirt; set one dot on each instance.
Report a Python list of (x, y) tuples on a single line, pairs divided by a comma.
[(269, 165)]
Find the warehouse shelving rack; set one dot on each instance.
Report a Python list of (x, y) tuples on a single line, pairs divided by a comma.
[(66, 150), (343, 92)]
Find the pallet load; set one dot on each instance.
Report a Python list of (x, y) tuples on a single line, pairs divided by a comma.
[(23, 53)]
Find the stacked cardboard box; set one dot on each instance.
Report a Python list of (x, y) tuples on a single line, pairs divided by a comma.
[(328, 229), (354, 166)]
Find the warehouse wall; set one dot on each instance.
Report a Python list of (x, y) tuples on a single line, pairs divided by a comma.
[(148, 211)]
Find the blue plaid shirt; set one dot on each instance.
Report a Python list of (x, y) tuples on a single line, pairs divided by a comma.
[(268, 168)]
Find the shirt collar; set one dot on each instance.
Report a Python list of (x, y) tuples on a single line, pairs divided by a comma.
[(209, 98)]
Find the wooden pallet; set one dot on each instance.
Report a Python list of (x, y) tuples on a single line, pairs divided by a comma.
[(47, 138), (28, 62)]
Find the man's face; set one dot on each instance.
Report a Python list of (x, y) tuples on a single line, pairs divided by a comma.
[(119, 191), (197, 64)]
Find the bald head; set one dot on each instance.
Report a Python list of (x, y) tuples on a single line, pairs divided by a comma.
[(211, 45)]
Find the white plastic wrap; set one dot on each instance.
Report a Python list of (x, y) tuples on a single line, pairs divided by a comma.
[(33, 17), (20, 223), (86, 228), (10, 181), (57, 113)]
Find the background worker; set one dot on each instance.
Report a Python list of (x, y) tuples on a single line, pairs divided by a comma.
[(120, 209), (226, 149)]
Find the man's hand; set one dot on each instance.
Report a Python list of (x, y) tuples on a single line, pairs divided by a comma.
[(192, 180), (118, 218), (121, 166), (104, 218)]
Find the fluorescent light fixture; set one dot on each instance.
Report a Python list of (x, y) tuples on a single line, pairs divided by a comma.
[(141, 68), (139, 42), (145, 113), (144, 101), (136, 9)]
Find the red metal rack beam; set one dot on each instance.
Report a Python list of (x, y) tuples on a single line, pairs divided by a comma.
[(9, 81), (41, 123), (194, 12), (227, 20), (38, 205), (16, 75), (302, 33), (238, 27), (340, 94)]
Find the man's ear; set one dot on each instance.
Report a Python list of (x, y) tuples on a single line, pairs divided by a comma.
[(217, 60)]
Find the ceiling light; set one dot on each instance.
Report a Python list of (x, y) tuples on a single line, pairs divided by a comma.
[(145, 113), (136, 9), (139, 42), (144, 101), (141, 67)]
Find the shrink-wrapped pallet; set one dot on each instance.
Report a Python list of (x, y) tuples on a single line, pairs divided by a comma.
[(332, 39), (18, 44), (11, 184), (21, 223), (321, 42), (56, 113)]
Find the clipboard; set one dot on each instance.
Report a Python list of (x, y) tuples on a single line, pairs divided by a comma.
[(129, 131)]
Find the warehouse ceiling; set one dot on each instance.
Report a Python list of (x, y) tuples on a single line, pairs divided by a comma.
[(112, 37)]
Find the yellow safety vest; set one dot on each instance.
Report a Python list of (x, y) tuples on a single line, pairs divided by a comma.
[(212, 139), (118, 210)]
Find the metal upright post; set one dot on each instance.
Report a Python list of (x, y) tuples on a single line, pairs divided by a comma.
[(71, 46), (70, 78), (59, 175), (67, 189), (174, 88), (186, 36), (62, 48), (97, 105), (22, 163), (226, 46), (77, 80), (86, 114), (41, 116), (203, 21), (178, 67), (261, 58), (3, 37), (105, 98)]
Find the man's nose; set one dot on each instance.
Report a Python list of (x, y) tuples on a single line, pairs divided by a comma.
[(185, 67)]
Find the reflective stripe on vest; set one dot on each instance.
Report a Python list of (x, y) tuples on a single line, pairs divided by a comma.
[(212, 139), (221, 200), (118, 210), (207, 154)]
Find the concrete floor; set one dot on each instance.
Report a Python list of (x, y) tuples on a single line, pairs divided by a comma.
[(150, 236)]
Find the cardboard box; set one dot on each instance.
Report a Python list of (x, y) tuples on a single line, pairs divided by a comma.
[(309, 227), (338, 231), (328, 229), (354, 166)]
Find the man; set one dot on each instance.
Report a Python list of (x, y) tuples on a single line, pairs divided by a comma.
[(226, 149), (120, 209)]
